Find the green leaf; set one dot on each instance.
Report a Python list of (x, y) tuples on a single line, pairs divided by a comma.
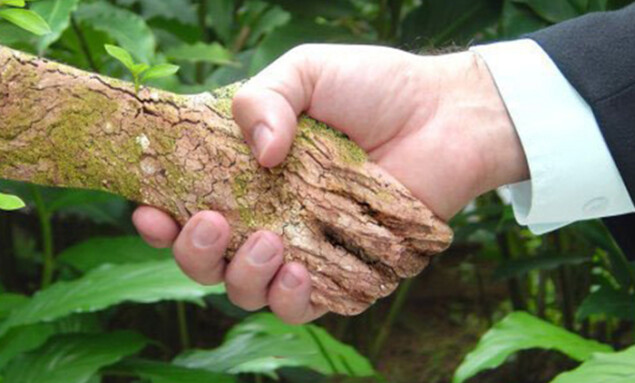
[(517, 20), (520, 331), (229, 74), (9, 302), (73, 358), (610, 302), (22, 339), (617, 367), (13, 3), (181, 10), (221, 14), (57, 14), (326, 9), (292, 34), (97, 251), (120, 54), (26, 19), (521, 266), (270, 20), (438, 22), (262, 344), (129, 30), (596, 234), (100, 207), (160, 70), (10, 202), (107, 286), (200, 52), (160, 372), (552, 11), (26, 338), (139, 68)]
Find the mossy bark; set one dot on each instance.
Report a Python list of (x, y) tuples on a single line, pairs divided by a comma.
[(356, 229)]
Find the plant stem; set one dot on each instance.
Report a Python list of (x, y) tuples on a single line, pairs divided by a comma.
[(183, 330), (513, 283), (395, 18), (202, 24), (47, 238), (395, 308)]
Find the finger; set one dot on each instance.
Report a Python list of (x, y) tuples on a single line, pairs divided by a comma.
[(290, 295), (200, 247), (155, 227), (266, 108), (252, 269)]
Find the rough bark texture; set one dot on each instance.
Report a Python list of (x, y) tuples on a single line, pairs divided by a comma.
[(356, 229)]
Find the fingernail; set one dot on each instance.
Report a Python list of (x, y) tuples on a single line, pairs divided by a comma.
[(205, 234), (262, 251), (289, 280), (261, 138)]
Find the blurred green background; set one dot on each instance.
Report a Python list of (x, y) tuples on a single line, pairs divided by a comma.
[(82, 299)]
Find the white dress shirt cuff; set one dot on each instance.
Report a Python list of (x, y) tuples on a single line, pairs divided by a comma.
[(573, 176)]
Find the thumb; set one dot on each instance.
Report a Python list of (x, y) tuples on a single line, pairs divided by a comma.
[(267, 106)]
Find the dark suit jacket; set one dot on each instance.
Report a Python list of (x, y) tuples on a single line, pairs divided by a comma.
[(596, 53)]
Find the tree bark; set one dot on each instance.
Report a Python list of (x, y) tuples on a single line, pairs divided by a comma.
[(356, 228)]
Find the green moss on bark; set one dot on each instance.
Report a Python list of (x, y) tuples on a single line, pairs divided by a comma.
[(348, 151)]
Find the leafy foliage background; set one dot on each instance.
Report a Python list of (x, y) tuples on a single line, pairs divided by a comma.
[(83, 299)]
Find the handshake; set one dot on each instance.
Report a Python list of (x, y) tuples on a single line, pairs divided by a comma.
[(428, 122)]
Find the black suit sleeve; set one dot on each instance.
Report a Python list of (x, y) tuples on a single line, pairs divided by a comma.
[(596, 53)]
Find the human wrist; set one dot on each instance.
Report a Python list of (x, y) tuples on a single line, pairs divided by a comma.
[(494, 137)]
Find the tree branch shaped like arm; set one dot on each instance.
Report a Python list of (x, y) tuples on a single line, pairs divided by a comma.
[(357, 229)]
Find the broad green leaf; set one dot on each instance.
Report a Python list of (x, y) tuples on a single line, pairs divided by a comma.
[(120, 54), (22, 339), (229, 74), (129, 30), (107, 286), (181, 10), (26, 338), (271, 19), (73, 358), (160, 372), (610, 302), (520, 331), (552, 11), (617, 367), (521, 266), (292, 34), (312, 9), (13, 3), (10, 202), (262, 344), (15, 37), (160, 70), (200, 52), (9, 302), (517, 19), (98, 206), (97, 251), (26, 19), (221, 15), (438, 22), (57, 14)]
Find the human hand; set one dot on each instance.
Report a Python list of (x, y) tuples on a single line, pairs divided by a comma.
[(436, 123)]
